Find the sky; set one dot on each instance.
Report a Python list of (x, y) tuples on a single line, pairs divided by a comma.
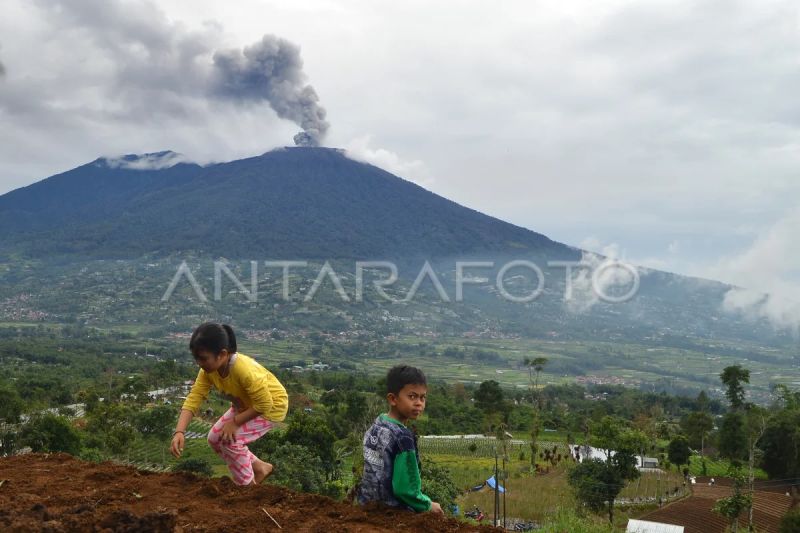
[(664, 132)]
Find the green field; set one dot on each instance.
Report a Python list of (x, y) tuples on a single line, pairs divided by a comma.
[(634, 365), (658, 366), (537, 497), (716, 468)]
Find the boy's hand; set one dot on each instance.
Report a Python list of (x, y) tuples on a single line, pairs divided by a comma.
[(436, 508), (229, 431), (177, 444)]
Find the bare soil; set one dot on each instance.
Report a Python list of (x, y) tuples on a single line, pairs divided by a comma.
[(58, 493)]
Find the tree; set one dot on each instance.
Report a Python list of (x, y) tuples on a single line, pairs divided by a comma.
[(756, 425), (781, 445), (89, 397), (536, 364), (8, 442), (788, 398), (313, 433), (702, 401), (356, 407), (696, 426), (732, 506), (734, 377), (526, 362), (597, 483), (156, 422), (110, 427), (11, 405), (606, 433), (51, 433), (536, 424), (489, 397), (732, 437), (678, 451)]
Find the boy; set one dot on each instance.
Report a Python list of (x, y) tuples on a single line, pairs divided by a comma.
[(391, 459)]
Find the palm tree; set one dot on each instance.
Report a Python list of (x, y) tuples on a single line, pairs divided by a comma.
[(527, 362), (538, 365)]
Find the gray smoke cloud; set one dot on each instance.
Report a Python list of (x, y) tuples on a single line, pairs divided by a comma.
[(272, 70), (161, 68), (2, 70)]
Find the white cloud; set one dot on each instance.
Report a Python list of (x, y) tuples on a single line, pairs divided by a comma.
[(155, 161), (673, 247), (767, 274), (606, 274), (410, 169)]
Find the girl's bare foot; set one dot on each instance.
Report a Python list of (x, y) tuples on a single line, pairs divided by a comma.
[(261, 471)]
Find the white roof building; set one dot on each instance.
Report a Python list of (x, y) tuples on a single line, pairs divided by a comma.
[(643, 526), (582, 452)]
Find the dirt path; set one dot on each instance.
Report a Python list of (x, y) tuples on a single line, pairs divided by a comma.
[(57, 493)]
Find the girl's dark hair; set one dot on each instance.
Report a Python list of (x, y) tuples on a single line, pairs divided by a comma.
[(213, 337), (402, 375)]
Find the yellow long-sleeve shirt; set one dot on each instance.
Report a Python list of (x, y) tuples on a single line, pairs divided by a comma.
[(248, 384)]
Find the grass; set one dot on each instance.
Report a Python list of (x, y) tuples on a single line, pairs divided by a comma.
[(566, 519), (538, 497), (528, 497), (717, 468), (470, 471)]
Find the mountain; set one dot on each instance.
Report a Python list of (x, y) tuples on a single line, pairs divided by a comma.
[(100, 245), (287, 203)]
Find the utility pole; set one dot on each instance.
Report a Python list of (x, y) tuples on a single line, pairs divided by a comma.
[(496, 489), (658, 489), (702, 453), (505, 489)]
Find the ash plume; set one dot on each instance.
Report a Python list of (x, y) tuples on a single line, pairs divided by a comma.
[(157, 68), (271, 70)]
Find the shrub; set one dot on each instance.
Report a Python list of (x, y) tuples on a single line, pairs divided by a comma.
[(298, 468), (438, 484), (51, 433), (195, 465), (91, 454), (790, 523)]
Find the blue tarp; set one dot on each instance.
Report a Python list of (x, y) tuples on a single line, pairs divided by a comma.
[(491, 483)]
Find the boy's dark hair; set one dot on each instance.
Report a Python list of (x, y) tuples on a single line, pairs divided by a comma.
[(402, 375), (212, 337)]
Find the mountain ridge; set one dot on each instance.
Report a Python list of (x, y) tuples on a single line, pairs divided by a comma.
[(315, 202)]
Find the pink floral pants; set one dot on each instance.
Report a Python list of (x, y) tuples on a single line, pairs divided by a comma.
[(236, 454)]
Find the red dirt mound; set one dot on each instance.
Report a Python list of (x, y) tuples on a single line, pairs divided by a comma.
[(56, 493)]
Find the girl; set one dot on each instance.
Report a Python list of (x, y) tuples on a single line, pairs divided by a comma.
[(257, 400)]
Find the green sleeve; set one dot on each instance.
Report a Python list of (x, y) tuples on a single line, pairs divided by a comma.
[(406, 483)]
